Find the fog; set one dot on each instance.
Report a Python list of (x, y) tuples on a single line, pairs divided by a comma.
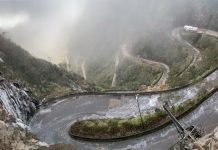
[(92, 29), (106, 25), (41, 27)]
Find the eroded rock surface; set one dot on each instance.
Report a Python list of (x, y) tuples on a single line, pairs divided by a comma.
[(208, 142)]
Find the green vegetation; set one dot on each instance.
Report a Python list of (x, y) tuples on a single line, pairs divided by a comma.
[(208, 47), (132, 74), (166, 51), (163, 49), (192, 103), (117, 127), (113, 128), (101, 74), (43, 78)]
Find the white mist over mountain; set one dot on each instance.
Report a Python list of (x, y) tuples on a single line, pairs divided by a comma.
[(11, 21), (42, 27), (84, 28)]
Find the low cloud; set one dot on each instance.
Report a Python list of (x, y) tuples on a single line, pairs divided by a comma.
[(42, 27), (10, 21)]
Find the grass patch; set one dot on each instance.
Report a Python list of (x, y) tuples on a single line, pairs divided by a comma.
[(131, 75), (112, 128), (117, 127), (101, 73)]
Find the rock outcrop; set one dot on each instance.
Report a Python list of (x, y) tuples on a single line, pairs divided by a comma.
[(13, 137), (208, 142), (16, 107)]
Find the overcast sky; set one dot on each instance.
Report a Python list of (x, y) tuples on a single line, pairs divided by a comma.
[(87, 28), (40, 26)]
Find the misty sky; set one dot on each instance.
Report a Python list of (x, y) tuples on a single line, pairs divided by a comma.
[(40, 26), (50, 28), (106, 25)]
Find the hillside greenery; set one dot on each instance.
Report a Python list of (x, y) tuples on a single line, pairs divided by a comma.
[(208, 47), (157, 44), (166, 51), (43, 78), (101, 74), (132, 74)]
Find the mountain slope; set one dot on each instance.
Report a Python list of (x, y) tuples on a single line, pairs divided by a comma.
[(43, 78)]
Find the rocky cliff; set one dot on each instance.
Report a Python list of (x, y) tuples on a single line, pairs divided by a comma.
[(17, 106)]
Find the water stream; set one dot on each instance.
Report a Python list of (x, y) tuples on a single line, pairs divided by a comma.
[(17, 102)]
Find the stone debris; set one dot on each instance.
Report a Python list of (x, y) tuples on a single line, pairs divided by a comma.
[(208, 142), (14, 138)]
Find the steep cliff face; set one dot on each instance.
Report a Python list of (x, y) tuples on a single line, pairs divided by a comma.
[(12, 136), (16, 107), (16, 101)]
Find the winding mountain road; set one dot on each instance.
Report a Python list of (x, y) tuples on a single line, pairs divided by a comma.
[(51, 124), (208, 32), (165, 68), (196, 55)]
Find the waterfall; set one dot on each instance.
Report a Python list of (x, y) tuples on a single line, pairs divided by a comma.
[(83, 69), (17, 102), (113, 84), (67, 63)]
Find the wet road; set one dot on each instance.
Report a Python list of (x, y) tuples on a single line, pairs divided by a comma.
[(52, 122)]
